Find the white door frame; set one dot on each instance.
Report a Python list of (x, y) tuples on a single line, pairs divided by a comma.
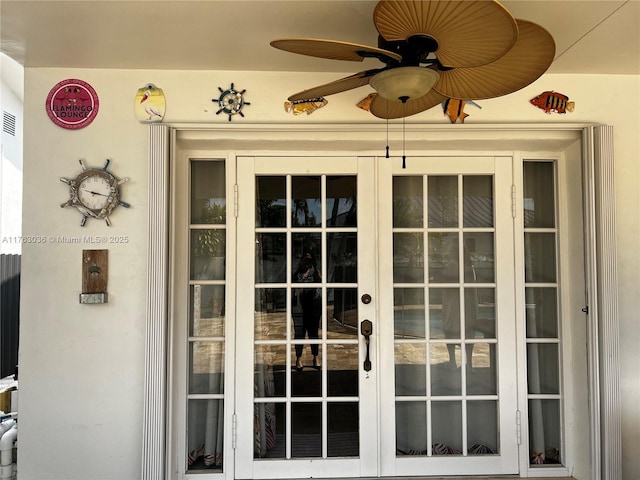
[(310, 164), (500, 168), (599, 194)]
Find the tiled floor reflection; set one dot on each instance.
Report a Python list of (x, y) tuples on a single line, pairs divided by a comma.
[(414, 353), (342, 356)]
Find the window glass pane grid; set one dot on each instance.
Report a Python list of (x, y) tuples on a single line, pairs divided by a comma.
[(542, 315), (444, 220), (206, 325), (293, 405), (456, 425), (539, 192)]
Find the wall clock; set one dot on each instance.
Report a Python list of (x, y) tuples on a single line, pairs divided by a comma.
[(95, 192), (231, 102)]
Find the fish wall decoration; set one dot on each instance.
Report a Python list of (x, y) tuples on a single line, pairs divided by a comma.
[(454, 109), (551, 101), (305, 106), (365, 103)]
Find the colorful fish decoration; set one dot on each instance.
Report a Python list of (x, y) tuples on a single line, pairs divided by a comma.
[(551, 101), (305, 106), (365, 103), (454, 109)]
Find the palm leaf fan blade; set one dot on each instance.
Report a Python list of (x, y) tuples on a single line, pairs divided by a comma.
[(348, 83), (529, 58), (468, 33), (332, 49)]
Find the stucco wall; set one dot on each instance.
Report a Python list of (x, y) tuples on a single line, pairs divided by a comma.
[(81, 366), (11, 94)]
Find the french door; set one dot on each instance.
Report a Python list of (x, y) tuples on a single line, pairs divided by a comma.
[(375, 317), (447, 317), (307, 403)]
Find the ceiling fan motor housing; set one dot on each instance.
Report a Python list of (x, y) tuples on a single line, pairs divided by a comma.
[(414, 50)]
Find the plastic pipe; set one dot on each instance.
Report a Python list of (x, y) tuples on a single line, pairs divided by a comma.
[(6, 452), (6, 426)]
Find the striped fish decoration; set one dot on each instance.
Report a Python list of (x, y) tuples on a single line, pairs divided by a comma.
[(305, 106), (454, 109), (551, 101)]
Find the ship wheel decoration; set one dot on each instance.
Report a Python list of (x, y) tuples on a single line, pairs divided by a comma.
[(231, 101), (95, 192)]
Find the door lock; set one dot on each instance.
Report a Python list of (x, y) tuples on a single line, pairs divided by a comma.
[(366, 329)]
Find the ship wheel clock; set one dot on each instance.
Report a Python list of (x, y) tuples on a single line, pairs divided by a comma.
[(95, 192), (231, 102)]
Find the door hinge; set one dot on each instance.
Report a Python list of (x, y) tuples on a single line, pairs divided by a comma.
[(513, 201), (519, 427), (234, 431), (235, 200)]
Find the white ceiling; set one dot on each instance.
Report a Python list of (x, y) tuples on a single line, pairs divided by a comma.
[(592, 36)]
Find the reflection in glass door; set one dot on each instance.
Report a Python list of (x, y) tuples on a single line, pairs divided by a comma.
[(306, 360), (453, 408), (200, 329), (305, 327)]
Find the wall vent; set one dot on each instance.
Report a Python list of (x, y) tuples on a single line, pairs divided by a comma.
[(9, 123)]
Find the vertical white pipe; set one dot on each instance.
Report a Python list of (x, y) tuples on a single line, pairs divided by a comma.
[(6, 452)]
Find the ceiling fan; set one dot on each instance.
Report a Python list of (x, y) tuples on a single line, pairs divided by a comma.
[(433, 50)]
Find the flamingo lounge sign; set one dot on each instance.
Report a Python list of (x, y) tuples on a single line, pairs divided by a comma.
[(72, 104)]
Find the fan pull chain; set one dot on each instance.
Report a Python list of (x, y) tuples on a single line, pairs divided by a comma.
[(387, 148), (404, 157)]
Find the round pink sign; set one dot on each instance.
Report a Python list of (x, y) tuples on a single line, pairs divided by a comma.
[(72, 104)]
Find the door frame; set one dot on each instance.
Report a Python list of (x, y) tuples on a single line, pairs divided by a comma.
[(500, 167), (248, 168), (599, 199)]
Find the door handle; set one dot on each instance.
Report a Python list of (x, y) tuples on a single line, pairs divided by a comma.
[(366, 328)]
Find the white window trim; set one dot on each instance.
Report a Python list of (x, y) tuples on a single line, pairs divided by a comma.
[(602, 295), (155, 376), (600, 246)]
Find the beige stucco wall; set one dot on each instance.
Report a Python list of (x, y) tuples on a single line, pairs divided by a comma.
[(81, 366)]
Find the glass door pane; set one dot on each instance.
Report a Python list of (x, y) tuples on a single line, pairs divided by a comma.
[(206, 329), (306, 342), (444, 224), (459, 345), (542, 289), (306, 361)]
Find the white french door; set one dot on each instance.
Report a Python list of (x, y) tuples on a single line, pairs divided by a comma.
[(375, 327), (447, 317), (306, 402)]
